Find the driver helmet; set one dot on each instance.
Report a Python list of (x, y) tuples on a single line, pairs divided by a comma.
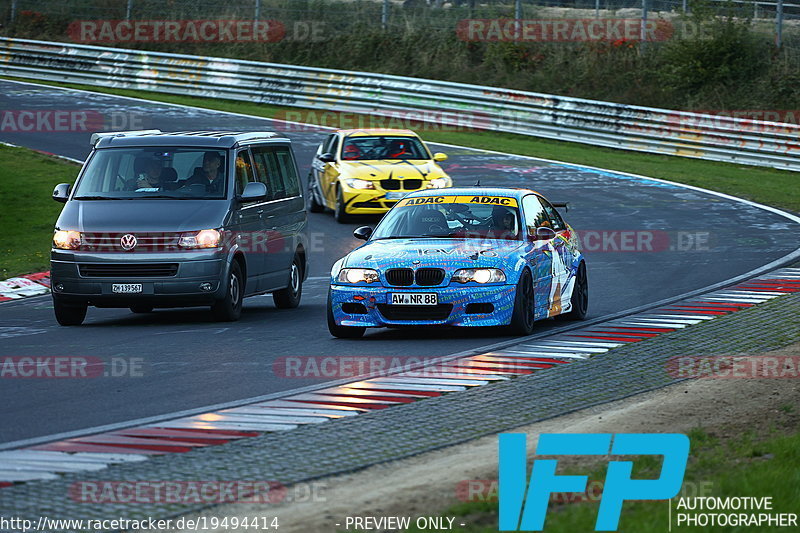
[(397, 148), (351, 151)]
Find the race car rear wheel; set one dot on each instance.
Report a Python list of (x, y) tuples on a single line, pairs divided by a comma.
[(339, 213), (69, 314), (313, 205), (522, 317), (580, 296), (342, 332)]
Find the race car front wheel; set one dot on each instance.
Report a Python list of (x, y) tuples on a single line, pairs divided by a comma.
[(339, 213), (342, 332), (522, 317), (580, 296)]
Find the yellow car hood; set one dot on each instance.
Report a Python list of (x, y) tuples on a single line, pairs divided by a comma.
[(385, 169)]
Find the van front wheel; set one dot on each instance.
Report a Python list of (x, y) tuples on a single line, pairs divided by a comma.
[(230, 308), (289, 297), (69, 314)]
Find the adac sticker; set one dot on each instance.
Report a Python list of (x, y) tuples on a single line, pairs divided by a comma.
[(483, 200)]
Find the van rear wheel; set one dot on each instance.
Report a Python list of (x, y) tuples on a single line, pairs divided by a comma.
[(229, 309), (69, 314)]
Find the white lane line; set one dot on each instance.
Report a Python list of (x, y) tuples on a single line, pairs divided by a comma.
[(665, 324), (602, 344), (554, 355), (571, 349), (734, 300), (674, 320), (301, 412), (16, 476), (238, 426), (760, 295), (430, 381), (80, 457), (260, 414), (24, 465), (681, 316), (416, 386)]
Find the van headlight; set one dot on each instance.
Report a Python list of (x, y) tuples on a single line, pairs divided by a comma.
[(67, 240), (356, 183), (358, 275), (479, 275), (206, 238)]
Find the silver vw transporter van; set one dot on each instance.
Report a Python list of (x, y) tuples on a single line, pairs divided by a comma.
[(180, 219)]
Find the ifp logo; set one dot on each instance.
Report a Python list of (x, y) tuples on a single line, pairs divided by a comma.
[(522, 510)]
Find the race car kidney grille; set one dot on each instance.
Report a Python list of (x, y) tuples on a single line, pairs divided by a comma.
[(396, 185), (401, 277), (128, 270), (415, 312), (428, 277)]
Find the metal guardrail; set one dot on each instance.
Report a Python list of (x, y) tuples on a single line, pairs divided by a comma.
[(597, 123)]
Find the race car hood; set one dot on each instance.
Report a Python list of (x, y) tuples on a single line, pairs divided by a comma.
[(445, 253), (379, 170), (142, 215)]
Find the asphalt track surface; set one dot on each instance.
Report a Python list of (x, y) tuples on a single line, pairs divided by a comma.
[(186, 361)]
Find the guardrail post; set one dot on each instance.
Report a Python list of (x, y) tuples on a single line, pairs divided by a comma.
[(257, 15), (128, 10), (684, 5), (779, 25), (643, 32), (13, 11), (518, 9), (385, 15), (597, 9)]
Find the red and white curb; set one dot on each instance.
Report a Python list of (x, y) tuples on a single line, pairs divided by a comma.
[(25, 286), (96, 452)]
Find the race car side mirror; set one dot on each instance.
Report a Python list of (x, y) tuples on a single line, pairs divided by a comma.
[(543, 233), (327, 157), (61, 192), (363, 233), (439, 156)]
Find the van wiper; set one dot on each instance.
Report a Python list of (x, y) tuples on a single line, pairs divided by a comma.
[(96, 198)]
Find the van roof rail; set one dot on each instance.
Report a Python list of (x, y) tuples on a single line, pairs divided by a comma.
[(97, 136)]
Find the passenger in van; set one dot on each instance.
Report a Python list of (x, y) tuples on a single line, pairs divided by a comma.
[(209, 174)]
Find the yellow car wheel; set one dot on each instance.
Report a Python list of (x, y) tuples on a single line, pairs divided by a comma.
[(339, 212)]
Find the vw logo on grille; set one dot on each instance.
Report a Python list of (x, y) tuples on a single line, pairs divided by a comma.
[(128, 242)]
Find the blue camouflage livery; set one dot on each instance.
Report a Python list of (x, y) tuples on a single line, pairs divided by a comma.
[(552, 262)]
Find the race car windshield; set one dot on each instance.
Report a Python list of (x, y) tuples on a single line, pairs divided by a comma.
[(153, 173), (452, 218), (383, 147)]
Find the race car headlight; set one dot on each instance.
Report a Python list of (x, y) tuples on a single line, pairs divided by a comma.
[(207, 238), (357, 275), (439, 183), (355, 183), (67, 240), (479, 275)]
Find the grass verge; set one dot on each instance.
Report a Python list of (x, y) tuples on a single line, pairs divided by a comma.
[(748, 465), (27, 179), (764, 185)]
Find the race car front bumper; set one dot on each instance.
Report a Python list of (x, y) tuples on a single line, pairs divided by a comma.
[(472, 305)]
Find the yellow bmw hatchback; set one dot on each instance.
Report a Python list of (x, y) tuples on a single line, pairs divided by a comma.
[(367, 171)]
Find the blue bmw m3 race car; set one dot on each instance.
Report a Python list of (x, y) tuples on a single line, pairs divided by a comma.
[(475, 256)]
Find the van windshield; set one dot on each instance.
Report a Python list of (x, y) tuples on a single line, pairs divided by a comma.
[(147, 172)]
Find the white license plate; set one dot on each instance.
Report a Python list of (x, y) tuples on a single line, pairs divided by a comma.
[(414, 298), (126, 288), (395, 195)]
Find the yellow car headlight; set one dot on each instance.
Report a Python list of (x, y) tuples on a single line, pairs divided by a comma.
[(67, 240), (439, 183), (356, 183)]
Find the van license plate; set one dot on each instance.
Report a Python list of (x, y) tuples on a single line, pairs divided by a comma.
[(415, 298), (126, 288)]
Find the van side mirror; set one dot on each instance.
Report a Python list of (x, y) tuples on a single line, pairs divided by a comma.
[(327, 157), (363, 233), (61, 192), (543, 233), (439, 156), (253, 191)]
